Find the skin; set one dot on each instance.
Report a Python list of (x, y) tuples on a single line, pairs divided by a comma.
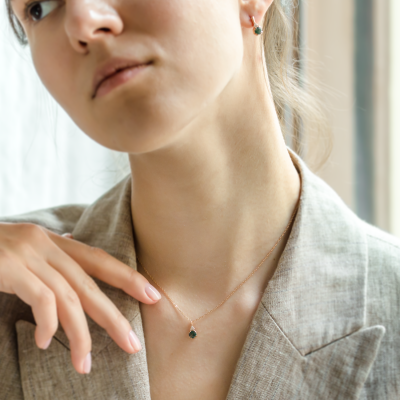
[(213, 184)]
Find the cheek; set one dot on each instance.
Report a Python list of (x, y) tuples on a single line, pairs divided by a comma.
[(55, 67), (66, 78), (202, 42)]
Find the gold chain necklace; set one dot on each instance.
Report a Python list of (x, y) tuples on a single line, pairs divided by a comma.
[(192, 331)]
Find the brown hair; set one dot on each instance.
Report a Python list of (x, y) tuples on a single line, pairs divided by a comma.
[(292, 95), (15, 25), (291, 92)]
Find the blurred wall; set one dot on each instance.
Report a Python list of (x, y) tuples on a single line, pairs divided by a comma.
[(352, 51), (329, 52), (394, 144)]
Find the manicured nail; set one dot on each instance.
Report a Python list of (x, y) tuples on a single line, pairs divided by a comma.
[(152, 292), (68, 235), (47, 344), (87, 363), (135, 342)]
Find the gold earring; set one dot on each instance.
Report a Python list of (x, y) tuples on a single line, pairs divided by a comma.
[(256, 28)]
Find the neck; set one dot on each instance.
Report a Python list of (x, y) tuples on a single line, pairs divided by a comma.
[(208, 208)]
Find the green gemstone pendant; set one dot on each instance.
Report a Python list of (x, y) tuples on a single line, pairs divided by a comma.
[(192, 332)]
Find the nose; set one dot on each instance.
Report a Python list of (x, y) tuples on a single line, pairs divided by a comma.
[(88, 21)]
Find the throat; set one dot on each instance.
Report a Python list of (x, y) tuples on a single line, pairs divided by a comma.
[(205, 218)]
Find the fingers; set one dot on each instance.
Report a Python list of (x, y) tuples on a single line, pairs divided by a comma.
[(106, 314), (70, 311), (99, 264), (96, 304), (31, 290)]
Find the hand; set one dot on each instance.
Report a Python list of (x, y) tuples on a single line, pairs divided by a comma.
[(52, 274)]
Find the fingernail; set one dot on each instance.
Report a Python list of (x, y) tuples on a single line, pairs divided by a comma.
[(47, 344), (68, 235), (87, 363), (152, 292), (135, 342)]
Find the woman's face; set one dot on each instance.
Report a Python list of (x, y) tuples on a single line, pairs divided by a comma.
[(191, 50)]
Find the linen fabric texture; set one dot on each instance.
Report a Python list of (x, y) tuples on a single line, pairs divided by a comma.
[(327, 327)]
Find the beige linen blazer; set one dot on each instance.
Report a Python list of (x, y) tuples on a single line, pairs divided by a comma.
[(327, 327)]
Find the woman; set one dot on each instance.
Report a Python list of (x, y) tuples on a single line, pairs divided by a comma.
[(272, 287)]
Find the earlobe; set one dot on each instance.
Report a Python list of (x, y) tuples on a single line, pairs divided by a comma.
[(253, 8)]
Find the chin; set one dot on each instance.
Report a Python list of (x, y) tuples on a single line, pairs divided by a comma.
[(133, 132), (134, 119)]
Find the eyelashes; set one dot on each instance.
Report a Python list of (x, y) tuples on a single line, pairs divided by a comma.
[(35, 11)]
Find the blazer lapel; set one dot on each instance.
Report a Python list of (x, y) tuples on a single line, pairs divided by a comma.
[(308, 338), (48, 374), (270, 367)]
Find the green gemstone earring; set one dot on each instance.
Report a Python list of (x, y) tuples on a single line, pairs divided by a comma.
[(256, 28)]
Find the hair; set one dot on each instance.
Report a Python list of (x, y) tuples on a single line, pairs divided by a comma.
[(301, 114)]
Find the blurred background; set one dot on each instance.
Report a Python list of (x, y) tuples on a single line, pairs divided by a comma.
[(346, 47), (351, 50)]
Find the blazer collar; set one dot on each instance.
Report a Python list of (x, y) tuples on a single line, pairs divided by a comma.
[(317, 294), (314, 303)]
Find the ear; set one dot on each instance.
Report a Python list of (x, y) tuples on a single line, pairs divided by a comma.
[(253, 8)]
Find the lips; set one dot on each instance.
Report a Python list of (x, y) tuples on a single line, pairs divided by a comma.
[(115, 72)]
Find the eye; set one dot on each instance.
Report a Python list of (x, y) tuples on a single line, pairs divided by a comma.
[(38, 11)]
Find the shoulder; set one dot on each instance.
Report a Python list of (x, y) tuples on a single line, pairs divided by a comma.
[(58, 219), (383, 308), (12, 310), (383, 279), (383, 254)]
